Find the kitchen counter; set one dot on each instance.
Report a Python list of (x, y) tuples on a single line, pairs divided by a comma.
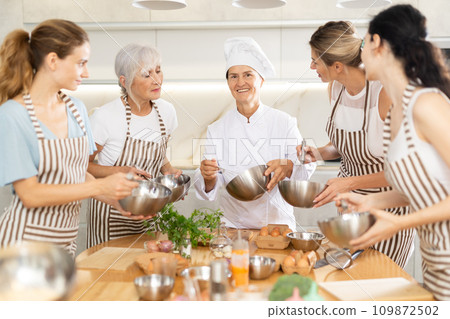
[(107, 271)]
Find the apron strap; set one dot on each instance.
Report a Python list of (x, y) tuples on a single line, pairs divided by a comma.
[(162, 127), (366, 109), (32, 114), (387, 132), (74, 110), (407, 94), (127, 113), (333, 112)]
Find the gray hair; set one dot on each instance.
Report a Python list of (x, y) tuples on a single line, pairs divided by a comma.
[(133, 59)]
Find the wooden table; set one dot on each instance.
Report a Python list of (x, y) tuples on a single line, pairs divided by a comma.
[(107, 271)]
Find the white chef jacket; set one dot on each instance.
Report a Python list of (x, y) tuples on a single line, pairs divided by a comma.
[(238, 144)]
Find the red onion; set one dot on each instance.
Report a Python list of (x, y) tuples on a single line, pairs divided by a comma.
[(151, 246), (166, 246)]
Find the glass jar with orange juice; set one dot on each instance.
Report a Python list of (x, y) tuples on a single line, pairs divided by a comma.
[(240, 262)]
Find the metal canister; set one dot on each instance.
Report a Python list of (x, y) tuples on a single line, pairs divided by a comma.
[(218, 280)]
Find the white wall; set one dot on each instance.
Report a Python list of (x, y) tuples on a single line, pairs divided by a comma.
[(191, 39)]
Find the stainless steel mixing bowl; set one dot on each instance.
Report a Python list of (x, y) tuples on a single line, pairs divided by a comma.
[(306, 241), (261, 267), (300, 193), (35, 271), (154, 287), (178, 185), (147, 199), (250, 184), (341, 229)]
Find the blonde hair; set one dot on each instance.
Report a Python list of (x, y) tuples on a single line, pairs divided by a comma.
[(21, 55), (337, 41)]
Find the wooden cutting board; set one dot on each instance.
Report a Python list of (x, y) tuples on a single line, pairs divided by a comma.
[(397, 288), (117, 257)]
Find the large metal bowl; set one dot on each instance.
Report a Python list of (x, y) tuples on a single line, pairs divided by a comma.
[(300, 193), (342, 229), (250, 184), (147, 199), (154, 287), (35, 271), (306, 241), (178, 185), (261, 267)]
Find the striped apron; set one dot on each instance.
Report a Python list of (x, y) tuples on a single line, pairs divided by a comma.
[(356, 160), (410, 176), (61, 161), (107, 223)]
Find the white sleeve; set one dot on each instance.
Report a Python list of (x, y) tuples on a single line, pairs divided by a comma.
[(299, 172), (199, 182), (98, 127), (199, 185)]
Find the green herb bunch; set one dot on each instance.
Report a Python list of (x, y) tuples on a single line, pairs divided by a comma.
[(178, 227)]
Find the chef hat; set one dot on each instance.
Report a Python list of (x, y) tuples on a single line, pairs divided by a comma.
[(245, 51)]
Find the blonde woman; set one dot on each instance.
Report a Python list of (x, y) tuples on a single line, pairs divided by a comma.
[(45, 137), (355, 126)]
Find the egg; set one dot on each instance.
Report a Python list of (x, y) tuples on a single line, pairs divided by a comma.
[(289, 261), (263, 232), (298, 255), (275, 233)]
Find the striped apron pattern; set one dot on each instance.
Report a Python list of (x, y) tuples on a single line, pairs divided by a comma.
[(61, 161), (105, 222), (356, 160), (410, 176)]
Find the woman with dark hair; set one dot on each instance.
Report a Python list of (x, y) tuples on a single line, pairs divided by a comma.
[(355, 126), (416, 140), (45, 137)]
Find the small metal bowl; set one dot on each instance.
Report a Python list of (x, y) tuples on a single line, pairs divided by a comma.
[(154, 287), (250, 184), (306, 241), (300, 193), (35, 271), (178, 185), (147, 199), (342, 229), (261, 267)]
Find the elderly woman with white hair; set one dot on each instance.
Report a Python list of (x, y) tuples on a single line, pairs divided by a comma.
[(131, 134), (248, 135)]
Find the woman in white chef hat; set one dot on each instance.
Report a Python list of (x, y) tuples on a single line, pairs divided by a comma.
[(250, 134)]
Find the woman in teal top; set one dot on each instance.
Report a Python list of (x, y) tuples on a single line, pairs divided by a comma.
[(45, 138)]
